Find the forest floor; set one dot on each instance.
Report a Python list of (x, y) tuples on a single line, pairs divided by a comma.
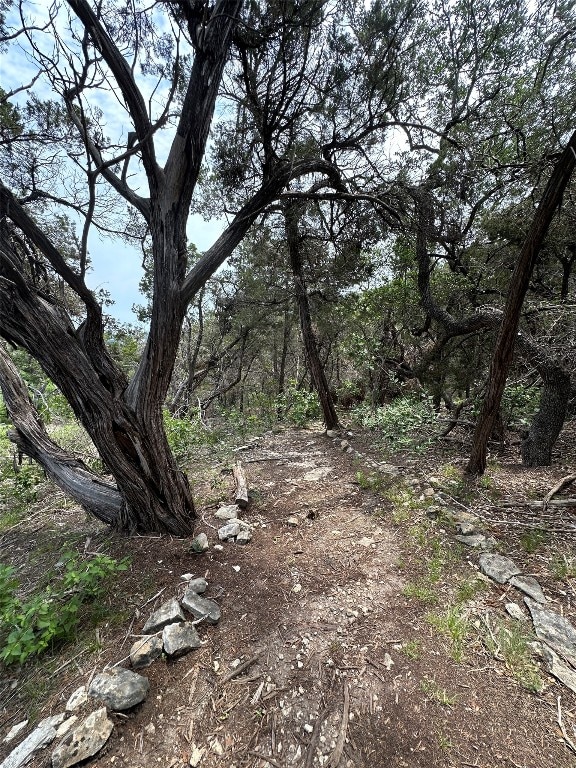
[(378, 642)]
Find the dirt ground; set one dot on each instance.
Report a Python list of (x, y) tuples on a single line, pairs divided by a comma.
[(326, 654)]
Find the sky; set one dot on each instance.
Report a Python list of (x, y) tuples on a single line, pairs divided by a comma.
[(116, 267)]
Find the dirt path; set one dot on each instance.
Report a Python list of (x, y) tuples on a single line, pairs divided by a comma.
[(346, 667)]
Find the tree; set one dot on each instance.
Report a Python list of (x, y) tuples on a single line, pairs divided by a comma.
[(120, 51)]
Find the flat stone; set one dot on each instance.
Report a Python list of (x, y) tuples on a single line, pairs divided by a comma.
[(201, 607), (514, 610), (84, 741), (320, 473), (530, 587), (229, 512), (332, 433), (558, 669), (180, 638), (145, 651), (244, 536), (365, 541), (554, 630), (41, 736), (77, 699), (14, 731), (120, 689), (476, 540), (168, 613), (498, 567), (199, 544), (198, 585), (292, 521), (64, 727), (228, 531)]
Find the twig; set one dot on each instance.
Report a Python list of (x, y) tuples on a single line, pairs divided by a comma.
[(564, 483), (240, 668), (266, 758), (339, 748), (315, 738), (570, 744)]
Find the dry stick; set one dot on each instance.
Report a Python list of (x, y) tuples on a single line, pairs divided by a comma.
[(266, 759), (241, 495), (315, 738), (569, 743), (240, 668), (339, 748), (564, 483)]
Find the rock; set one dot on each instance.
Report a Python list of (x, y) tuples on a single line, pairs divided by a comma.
[(63, 729), (198, 585), (344, 444), (229, 512), (201, 607), (244, 536), (168, 613), (558, 669), (41, 736), (77, 699), (530, 587), (498, 567), (465, 527), (14, 731), (320, 473), (180, 638), (292, 521), (476, 540), (332, 433), (120, 689), (84, 741), (146, 650), (514, 610), (554, 630), (228, 531), (366, 541), (199, 544)]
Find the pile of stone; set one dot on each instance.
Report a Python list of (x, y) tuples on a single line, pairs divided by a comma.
[(234, 529), (119, 689)]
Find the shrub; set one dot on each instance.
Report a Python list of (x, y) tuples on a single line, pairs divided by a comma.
[(407, 422)]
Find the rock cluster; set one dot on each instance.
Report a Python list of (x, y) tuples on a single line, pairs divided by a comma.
[(118, 689), (234, 529)]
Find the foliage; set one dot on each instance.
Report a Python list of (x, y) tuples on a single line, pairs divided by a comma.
[(184, 435), (297, 405), (29, 626), (408, 422)]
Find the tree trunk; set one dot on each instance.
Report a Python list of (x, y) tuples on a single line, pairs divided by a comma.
[(314, 363), (549, 420), (504, 348)]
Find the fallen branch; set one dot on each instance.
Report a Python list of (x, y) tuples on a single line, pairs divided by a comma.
[(241, 497), (564, 483), (339, 748), (315, 738), (266, 759)]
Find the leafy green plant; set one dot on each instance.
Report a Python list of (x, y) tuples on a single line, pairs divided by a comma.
[(31, 626), (298, 406), (184, 435), (408, 422)]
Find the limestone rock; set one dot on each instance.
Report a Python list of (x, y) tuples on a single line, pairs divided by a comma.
[(332, 433), (476, 540), (229, 531), (201, 607), (530, 587), (180, 638), (229, 512), (41, 736), (198, 585), (292, 521), (558, 668), (465, 527), (84, 741), (168, 613), (120, 689), (146, 650), (14, 731), (244, 536), (498, 567), (554, 630), (315, 475), (77, 699), (514, 610), (199, 544)]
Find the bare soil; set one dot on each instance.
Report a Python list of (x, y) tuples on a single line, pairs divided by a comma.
[(345, 667)]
